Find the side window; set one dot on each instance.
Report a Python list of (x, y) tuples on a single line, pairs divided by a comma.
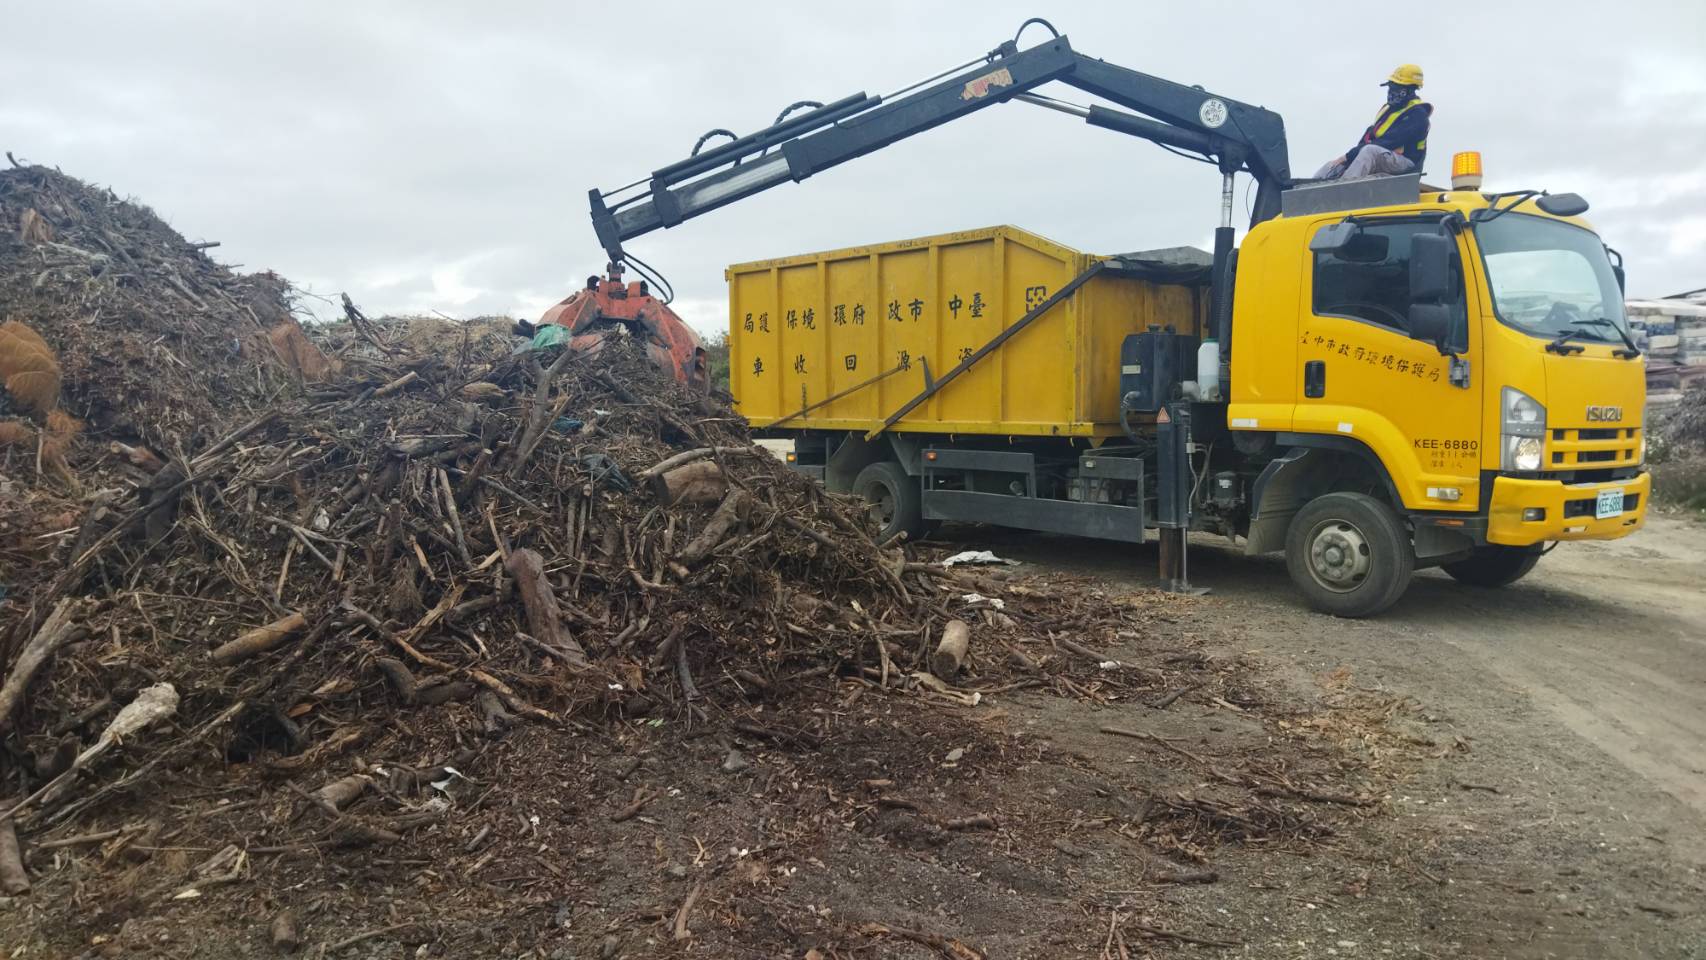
[(1369, 278)]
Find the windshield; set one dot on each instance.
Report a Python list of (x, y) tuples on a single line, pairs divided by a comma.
[(1550, 278)]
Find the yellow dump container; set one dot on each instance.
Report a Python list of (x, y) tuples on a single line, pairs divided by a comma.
[(856, 327)]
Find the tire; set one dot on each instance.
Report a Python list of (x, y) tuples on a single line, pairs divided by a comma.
[(1493, 566), (1349, 554), (896, 499)]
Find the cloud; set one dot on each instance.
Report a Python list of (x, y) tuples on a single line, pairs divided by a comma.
[(1688, 236), (437, 155)]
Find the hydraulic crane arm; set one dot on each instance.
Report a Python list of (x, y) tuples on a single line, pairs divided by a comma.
[(1235, 136)]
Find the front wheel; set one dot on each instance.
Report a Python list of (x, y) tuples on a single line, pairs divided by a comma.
[(1493, 566), (1349, 554)]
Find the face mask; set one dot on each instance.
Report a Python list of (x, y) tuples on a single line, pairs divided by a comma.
[(1398, 96)]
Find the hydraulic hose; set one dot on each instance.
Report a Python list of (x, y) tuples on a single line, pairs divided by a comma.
[(1039, 21), (718, 132)]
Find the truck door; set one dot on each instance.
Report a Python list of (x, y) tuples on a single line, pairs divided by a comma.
[(1363, 377)]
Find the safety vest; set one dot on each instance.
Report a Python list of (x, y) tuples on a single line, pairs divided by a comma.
[(1383, 122)]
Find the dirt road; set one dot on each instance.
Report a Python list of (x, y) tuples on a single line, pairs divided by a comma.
[(1569, 817)]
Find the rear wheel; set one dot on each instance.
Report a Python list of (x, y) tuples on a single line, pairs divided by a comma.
[(1494, 565), (896, 502), (1349, 554)]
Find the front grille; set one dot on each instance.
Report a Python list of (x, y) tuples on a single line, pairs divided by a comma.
[(1569, 447)]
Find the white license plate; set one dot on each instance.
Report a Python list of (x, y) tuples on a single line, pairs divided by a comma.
[(1610, 504)]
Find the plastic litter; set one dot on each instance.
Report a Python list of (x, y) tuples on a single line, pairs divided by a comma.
[(975, 557)]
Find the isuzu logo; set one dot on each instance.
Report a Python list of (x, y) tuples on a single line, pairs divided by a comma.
[(1605, 414)]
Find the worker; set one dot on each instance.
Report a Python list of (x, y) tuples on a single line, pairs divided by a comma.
[(1397, 141)]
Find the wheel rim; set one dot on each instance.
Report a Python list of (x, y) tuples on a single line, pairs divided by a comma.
[(1338, 555), (882, 506)]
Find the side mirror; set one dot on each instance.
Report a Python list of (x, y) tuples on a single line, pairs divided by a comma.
[(1617, 270), (1431, 323), (1433, 289), (1563, 204), (1430, 268)]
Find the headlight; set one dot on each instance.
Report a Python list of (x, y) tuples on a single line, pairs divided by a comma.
[(1522, 453), (1523, 415), (1522, 429)]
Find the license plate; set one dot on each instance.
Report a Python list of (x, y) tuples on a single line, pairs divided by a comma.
[(1610, 504)]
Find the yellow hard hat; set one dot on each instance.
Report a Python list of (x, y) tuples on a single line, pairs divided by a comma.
[(1407, 75)]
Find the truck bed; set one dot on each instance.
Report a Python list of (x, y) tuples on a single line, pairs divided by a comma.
[(841, 340)]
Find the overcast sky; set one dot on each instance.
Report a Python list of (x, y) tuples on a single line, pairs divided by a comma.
[(436, 156)]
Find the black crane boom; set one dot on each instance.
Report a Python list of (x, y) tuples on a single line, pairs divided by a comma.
[(1236, 136)]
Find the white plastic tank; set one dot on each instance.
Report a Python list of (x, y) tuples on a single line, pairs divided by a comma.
[(1208, 369)]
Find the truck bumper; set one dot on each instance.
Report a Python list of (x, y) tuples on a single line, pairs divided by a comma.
[(1568, 510)]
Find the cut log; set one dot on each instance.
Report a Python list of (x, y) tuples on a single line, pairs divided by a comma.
[(286, 931), (670, 463), (727, 517), (13, 879), (544, 619), (951, 652), (450, 690), (699, 482), (259, 640), (402, 680), (338, 794), (482, 391)]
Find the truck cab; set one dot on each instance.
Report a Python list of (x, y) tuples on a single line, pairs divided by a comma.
[(1458, 363)]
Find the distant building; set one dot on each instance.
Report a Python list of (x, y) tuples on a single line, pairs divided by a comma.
[(1672, 332)]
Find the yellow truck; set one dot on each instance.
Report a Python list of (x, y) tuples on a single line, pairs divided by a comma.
[(1383, 375)]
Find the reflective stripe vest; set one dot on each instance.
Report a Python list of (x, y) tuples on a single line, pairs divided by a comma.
[(1384, 121)]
